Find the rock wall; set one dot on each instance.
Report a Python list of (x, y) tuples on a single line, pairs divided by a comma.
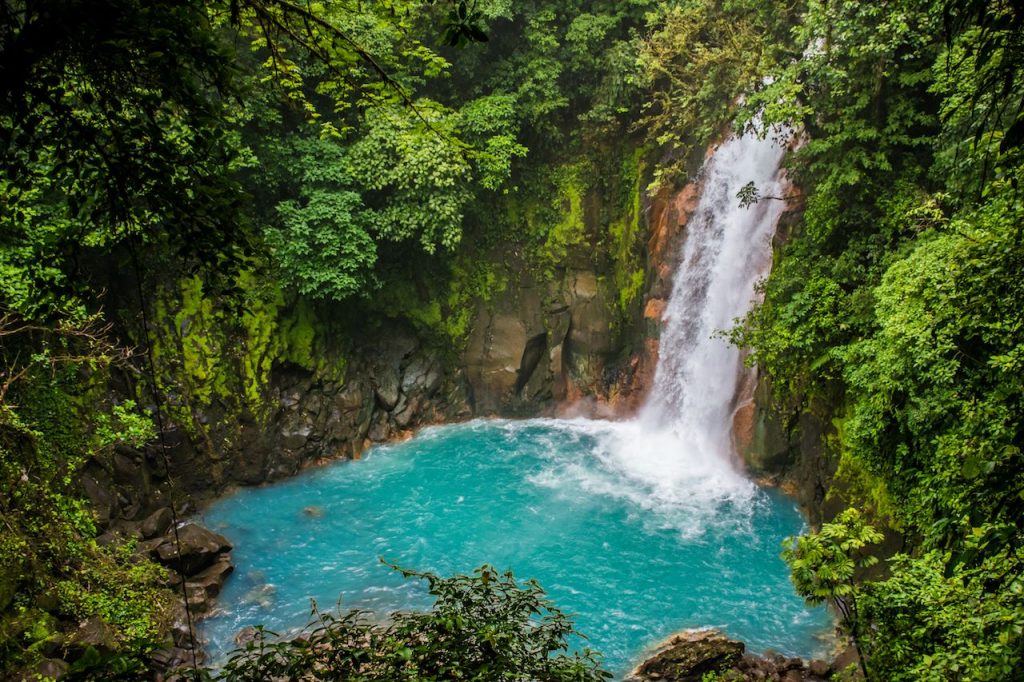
[(541, 346), (562, 347), (667, 216), (389, 388), (792, 450)]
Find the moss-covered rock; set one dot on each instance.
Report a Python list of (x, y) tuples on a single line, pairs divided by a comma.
[(688, 656)]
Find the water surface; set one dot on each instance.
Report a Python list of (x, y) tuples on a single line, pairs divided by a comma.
[(633, 539)]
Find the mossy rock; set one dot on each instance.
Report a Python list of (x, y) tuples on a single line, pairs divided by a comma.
[(689, 656), (10, 576), (35, 631)]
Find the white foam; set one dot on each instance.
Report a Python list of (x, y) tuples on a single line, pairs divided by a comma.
[(649, 470)]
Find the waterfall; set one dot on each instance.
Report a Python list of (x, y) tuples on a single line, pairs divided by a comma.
[(727, 249), (605, 513), (676, 457)]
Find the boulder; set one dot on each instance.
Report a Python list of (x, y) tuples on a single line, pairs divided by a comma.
[(296, 431), (386, 386), (421, 376), (100, 491), (169, 659), (199, 549), (847, 664), (91, 633), (206, 585), (47, 669), (688, 656), (198, 602), (181, 635), (246, 635), (157, 523), (406, 412), (819, 668)]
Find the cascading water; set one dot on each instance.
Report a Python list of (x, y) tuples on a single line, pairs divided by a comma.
[(727, 249), (640, 528), (681, 441)]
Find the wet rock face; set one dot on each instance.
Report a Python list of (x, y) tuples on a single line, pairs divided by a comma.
[(537, 346), (390, 385), (204, 587), (202, 559), (156, 523)]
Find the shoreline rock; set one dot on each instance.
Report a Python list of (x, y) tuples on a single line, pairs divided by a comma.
[(690, 655), (205, 562)]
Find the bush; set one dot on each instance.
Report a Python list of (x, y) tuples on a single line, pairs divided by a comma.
[(484, 626)]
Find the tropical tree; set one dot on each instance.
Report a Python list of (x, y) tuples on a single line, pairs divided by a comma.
[(824, 568)]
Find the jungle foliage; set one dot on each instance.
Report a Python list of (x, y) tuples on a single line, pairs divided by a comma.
[(52, 568), (165, 165), (898, 301), (258, 155)]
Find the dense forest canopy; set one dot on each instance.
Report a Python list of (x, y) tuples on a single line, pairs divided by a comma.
[(372, 156)]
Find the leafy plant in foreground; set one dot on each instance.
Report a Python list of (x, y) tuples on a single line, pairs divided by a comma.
[(824, 564), (484, 626)]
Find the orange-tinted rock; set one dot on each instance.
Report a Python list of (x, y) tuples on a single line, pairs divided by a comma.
[(654, 309), (743, 426)]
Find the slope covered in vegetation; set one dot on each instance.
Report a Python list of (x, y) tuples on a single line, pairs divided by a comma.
[(897, 302)]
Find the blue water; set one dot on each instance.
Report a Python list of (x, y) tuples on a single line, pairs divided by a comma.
[(615, 529)]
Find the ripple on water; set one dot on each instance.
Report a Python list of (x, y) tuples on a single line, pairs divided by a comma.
[(625, 530)]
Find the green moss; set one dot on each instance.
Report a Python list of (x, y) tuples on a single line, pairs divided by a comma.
[(47, 545), (858, 484), (303, 341), (442, 303), (222, 348), (629, 293), (569, 228), (259, 322), (569, 231), (428, 315), (626, 234), (122, 592), (473, 280), (196, 331), (298, 335), (13, 550)]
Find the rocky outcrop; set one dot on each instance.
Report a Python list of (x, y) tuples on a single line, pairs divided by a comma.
[(688, 657), (535, 347), (202, 559), (190, 550), (761, 437), (205, 586), (156, 523), (389, 386), (667, 213), (691, 656)]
